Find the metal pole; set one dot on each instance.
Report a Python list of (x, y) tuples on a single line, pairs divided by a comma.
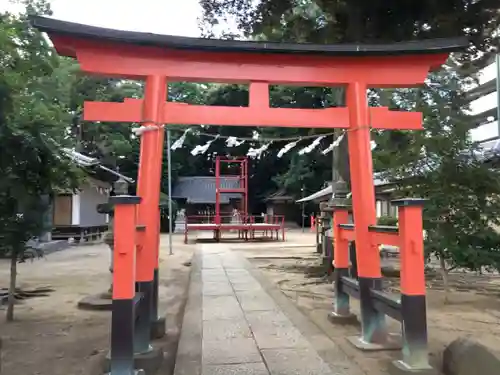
[(335, 157), (303, 213), (497, 60), (170, 216)]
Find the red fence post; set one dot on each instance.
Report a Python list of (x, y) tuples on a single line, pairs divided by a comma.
[(283, 226), (413, 308), (341, 311), (123, 309)]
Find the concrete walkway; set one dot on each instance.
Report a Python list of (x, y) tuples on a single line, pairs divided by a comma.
[(237, 323)]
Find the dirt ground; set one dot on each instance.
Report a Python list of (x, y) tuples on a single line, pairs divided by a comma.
[(473, 309), (52, 337)]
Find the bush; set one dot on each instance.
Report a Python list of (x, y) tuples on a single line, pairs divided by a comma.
[(388, 221)]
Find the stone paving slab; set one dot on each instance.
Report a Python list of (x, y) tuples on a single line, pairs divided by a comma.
[(217, 289), (238, 272), (295, 362), (252, 286), (237, 369), (260, 319), (256, 301), (238, 350), (215, 276), (211, 263), (240, 277), (235, 323), (221, 307), (279, 337), (226, 329)]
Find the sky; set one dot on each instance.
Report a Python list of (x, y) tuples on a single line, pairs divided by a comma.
[(180, 17), (174, 17)]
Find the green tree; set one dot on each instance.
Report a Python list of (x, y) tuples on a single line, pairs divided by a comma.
[(439, 163), (330, 21), (32, 124), (315, 168), (444, 166)]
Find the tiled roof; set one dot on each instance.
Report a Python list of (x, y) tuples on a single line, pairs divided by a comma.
[(489, 150), (201, 189), (85, 161), (327, 191), (279, 195)]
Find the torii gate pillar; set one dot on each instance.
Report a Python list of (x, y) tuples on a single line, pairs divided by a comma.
[(149, 181)]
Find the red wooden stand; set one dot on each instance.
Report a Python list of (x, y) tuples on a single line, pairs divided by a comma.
[(241, 189), (249, 225)]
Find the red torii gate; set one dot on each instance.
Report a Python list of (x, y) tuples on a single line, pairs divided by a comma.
[(159, 59)]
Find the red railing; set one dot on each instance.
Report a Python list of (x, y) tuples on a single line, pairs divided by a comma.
[(251, 219), (246, 226)]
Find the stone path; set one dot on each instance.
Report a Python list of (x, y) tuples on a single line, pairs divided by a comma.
[(232, 325)]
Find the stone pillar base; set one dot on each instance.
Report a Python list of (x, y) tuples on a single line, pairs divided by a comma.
[(349, 319), (393, 343), (149, 363), (400, 368), (96, 302), (158, 328)]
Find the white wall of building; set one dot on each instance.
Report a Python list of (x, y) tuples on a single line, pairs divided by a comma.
[(485, 103), (75, 209), (90, 197)]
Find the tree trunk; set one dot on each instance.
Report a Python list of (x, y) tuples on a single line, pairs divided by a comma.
[(444, 275), (12, 286)]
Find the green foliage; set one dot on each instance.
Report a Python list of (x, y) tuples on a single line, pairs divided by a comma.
[(388, 221), (33, 119), (444, 166), (112, 143), (268, 173), (30, 119), (164, 211), (440, 163), (334, 21), (376, 21), (42, 98), (105, 209)]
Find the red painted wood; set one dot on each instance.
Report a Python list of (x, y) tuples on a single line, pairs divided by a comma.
[(346, 234), (179, 113), (260, 70), (123, 60), (363, 191), (392, 239), (124, 256), (411, 251), (228, 227), (241, 189), (341, 238), (148, 186)]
